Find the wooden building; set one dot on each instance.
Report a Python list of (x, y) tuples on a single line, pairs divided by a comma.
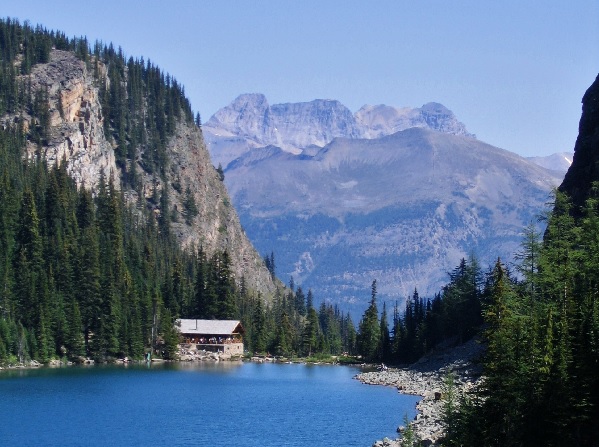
[(225, 336)]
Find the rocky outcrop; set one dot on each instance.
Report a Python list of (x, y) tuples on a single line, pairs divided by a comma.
[(76, 122), (248, 116), (381, 120), (313, 123), (217, 226)]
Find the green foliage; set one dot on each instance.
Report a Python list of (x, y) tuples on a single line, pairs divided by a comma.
[(408, 437), (541, 385), (452, 315), (189, 206), (75, 271), (221, 172), (269, 261)]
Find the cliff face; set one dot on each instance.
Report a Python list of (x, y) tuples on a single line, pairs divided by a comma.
[(381, 120), (76, 134), (585, 165)]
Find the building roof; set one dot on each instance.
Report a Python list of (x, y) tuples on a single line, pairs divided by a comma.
[(210, 327)]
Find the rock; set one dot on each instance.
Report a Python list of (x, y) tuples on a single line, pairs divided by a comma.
[(79, 136)]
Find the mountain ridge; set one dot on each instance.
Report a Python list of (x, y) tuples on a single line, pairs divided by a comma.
[(250, 122)]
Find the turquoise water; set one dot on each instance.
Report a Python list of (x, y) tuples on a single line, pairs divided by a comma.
[(207, 404)]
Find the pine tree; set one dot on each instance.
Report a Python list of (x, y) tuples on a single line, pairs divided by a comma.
[(284, 337), (369, 333), (258, 340)]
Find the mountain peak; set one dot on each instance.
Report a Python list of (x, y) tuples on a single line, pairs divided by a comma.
[(247, 116), (435, 107), (381, 120)]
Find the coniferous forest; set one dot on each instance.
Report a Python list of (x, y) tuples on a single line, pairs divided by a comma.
[(84, 273)]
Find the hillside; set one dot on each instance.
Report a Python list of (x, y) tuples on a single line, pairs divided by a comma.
[(113, 221)]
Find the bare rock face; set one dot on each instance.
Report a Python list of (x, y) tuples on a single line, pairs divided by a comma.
[(77, 136), (381, 120), (77, 133), (216, 227)]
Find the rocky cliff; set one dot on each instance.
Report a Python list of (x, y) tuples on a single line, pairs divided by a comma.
[(585, 165), (76, 121), (76, 135), (381, 120)]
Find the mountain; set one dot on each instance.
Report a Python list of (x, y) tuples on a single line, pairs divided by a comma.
[(250, 122), (402, 209), (78, 133), (559, 162)]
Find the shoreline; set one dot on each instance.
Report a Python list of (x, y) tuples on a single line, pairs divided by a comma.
[(426, 379)]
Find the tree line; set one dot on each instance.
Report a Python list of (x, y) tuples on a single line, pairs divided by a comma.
[(454, 314), (539, 322), (85, 275), (292, 326)]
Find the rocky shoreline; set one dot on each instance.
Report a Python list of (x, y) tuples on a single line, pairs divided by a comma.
[(426, 378), (188, 353)]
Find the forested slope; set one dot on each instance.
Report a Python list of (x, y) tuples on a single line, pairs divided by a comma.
[(114, 222), (109, 205)]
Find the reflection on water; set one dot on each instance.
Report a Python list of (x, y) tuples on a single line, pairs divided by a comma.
[(220, 367)]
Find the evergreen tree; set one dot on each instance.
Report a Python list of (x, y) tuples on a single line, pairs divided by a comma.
[(369, 333), (385, 342)]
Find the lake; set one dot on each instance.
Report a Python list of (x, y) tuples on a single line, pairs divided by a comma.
[(197, 404)]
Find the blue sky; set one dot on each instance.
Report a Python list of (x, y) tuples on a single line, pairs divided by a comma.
[(513, 71)]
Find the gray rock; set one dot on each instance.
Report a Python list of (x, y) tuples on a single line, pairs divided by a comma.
[(426, 379)]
